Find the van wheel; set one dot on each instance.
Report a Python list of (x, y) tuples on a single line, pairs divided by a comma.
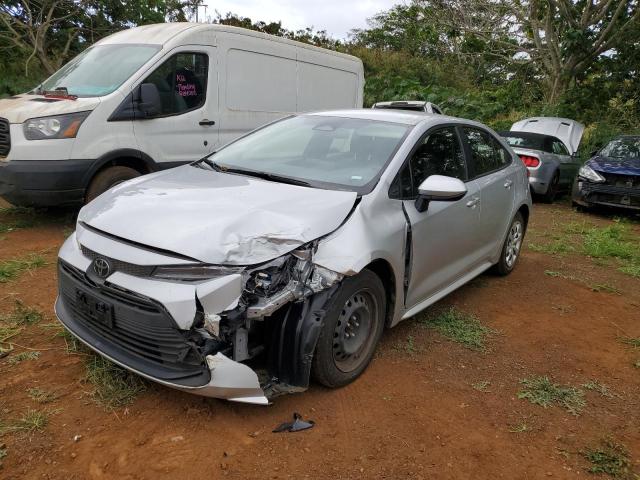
[(352, 328), (107, 178), (512, 246)]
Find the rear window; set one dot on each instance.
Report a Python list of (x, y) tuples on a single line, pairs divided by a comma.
[(524, 140)]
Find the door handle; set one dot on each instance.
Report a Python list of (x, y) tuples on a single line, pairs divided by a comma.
[(473, 202), (508, 184), (206, 122)]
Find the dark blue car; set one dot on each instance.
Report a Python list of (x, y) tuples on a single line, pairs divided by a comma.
[(612, 176)]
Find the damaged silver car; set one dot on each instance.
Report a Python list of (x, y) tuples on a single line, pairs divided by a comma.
[(286, 254)]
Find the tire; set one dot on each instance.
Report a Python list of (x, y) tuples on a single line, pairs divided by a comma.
[(358, 308), (107, 178), (509, 258), (552, 189)]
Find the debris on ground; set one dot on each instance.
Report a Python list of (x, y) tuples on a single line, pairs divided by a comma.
[(296, 425)]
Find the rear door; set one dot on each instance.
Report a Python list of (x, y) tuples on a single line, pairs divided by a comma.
[(492, 166), (444, 241)]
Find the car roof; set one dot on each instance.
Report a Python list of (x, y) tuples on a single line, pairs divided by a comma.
[(405, 117)]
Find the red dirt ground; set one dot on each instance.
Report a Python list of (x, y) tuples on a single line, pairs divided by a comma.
[(414, 414)]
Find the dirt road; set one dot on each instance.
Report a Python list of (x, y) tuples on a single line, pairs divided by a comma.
[(427, 408)]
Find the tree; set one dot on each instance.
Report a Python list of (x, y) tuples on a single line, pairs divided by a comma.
[(563, 38)]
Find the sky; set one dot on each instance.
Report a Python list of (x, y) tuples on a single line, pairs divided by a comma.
[(337, 17)]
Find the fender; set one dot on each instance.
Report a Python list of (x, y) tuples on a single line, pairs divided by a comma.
[(111, 157)]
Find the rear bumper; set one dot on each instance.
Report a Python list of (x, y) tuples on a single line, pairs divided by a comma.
[(44, 183), (588, 194)]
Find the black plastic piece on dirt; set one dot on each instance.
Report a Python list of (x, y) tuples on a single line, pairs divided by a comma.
[(297, 425)]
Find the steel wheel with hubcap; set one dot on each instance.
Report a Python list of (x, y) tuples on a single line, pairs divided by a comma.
[(351, 330)]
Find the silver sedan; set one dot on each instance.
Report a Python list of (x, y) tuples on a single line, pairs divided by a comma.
[(288, 252)]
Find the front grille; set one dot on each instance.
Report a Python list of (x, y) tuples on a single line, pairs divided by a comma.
[(611, 194), (142, 334), (119, 265), (5, 138), (624, 181)]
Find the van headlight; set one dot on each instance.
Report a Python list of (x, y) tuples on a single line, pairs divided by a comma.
[(590, 174), (59, 126)]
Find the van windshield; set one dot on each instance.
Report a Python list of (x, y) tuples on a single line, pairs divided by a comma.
[(99, 70), (322, 151)]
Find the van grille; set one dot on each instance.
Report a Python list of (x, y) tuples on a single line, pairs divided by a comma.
[(5, 138)]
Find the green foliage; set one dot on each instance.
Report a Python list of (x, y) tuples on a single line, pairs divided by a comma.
[(113, 386), (460, 327), (21, 315), (610, 458), (22, 356), (10, 269), (542, 391)]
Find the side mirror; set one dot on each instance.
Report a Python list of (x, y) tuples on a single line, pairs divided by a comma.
[(149, 102), (439, 188)]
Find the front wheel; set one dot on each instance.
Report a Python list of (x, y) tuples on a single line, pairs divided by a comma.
[(352, 328), (511, 247)]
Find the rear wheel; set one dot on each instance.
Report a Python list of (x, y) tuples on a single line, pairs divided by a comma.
[(511, 247), (351, 331), (552, 189), (107, 178)]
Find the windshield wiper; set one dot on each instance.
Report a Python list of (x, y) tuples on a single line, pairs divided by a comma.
[(252, 173), (206, 160)]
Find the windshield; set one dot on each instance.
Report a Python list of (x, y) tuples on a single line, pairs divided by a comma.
[(323, 151), (523, 140), (628, 147), (99, 70)]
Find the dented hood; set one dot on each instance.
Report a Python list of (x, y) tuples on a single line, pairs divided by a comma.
[(217, 218), (19, 108)]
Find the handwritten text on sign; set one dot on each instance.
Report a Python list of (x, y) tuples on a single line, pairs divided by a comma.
[(185, 89)]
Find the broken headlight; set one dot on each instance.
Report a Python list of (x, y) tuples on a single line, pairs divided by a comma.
[(191, 273), (271, 277)]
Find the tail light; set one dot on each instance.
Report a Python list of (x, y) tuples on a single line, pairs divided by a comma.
[(530, 161)]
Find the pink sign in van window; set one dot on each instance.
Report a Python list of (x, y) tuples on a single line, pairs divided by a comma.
[(185, 89)]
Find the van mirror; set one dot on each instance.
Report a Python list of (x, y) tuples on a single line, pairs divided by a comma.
[(439, 188), (149, 102)]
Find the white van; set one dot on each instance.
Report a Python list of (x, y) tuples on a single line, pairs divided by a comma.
[(155, 97)]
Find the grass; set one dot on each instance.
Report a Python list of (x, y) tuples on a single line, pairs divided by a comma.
[(3, 453), (542, 391), (609, 242), (22, 356), (41, 396), (22, 315), (631, 341), (558, 246), (113, 386), (407, 346), (596, 386), (460, 327), (31, 421), (10, 269), (521, 427), (482, 386), (610, 458), (605, 287), (636, 364)]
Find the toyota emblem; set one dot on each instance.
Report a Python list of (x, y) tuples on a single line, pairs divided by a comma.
[(101, 267)]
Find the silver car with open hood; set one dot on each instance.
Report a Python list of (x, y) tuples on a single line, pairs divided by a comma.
[(286, 254)]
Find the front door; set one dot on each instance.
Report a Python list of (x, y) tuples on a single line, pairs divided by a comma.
[(186, 128), (444, 241)]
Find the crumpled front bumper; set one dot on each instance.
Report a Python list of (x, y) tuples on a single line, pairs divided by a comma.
[(588, 193), (146, 335), (229, 380)]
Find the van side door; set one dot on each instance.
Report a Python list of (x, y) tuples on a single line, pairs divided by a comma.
[(186, 128)]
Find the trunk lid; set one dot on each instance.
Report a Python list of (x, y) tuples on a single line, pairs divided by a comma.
[(566, 130)]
